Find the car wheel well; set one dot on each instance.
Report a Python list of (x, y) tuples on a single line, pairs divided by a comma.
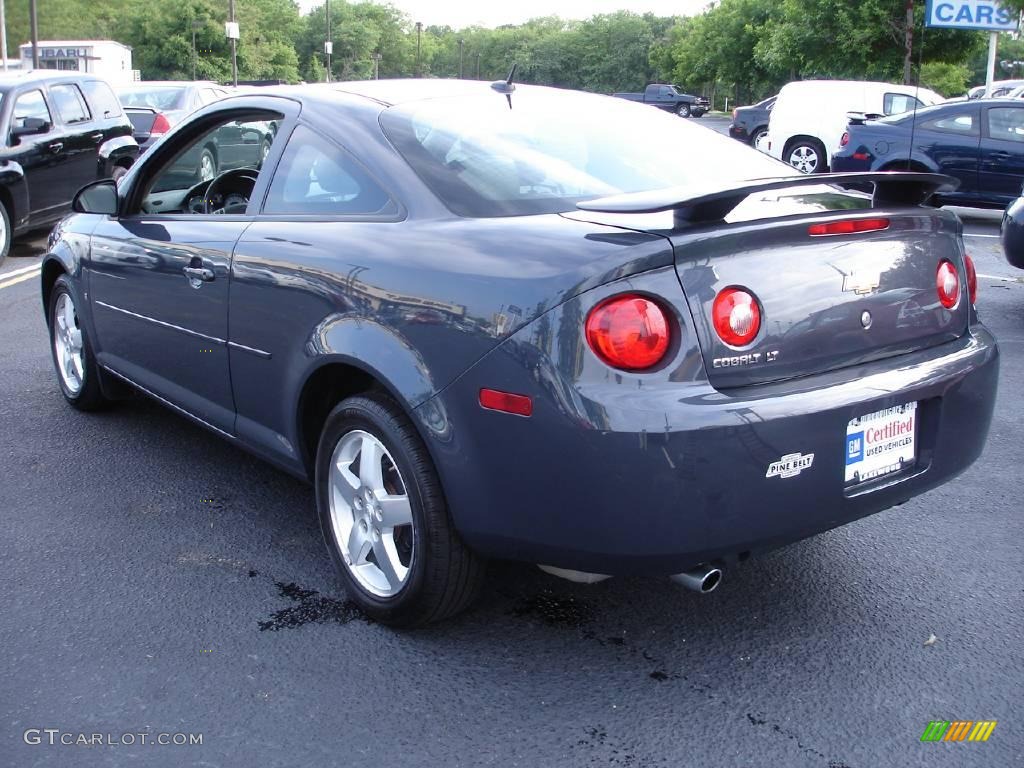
[(52, 270), (8, 203), (818, 144), (325, 388)]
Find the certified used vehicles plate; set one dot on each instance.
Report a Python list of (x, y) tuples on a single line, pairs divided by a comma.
[(881, 443)]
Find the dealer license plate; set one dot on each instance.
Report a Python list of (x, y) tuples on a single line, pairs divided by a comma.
[(881, 443)]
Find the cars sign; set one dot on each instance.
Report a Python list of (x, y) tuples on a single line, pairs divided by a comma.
[(971, 14)]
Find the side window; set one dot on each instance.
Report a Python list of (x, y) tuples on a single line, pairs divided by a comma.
[(898, 103), (103, 101), (965, 125), (316, 177), (231, 150), (30, 104), (1006, 123), (69, 103)]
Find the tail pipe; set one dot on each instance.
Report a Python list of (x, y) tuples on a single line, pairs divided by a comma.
[(704, 578)]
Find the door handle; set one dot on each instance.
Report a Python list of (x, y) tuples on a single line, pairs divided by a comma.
[(96, 136), (56, 146), (201, 274), (1001, 156)]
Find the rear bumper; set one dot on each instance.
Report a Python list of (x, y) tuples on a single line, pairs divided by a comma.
[(847, 163), (614, 476), (738, 132)]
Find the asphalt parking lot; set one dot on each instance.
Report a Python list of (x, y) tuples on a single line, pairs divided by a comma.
[(160, 581)]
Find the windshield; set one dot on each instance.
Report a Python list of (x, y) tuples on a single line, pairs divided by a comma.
[(160, 98), (554, 148)]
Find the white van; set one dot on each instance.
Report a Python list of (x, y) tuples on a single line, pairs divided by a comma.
[(810, 116)]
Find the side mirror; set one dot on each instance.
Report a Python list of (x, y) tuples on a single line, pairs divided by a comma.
[(98, 197), (31, 126)]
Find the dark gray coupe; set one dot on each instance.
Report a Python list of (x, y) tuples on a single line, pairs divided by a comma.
[(525, 323)]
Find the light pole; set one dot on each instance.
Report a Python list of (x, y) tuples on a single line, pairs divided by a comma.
[(3, 32), (478, 65), (328, 43), (231, 30), (419, 29), (196, 25), (462, 43), (34, 24), (376, 64)]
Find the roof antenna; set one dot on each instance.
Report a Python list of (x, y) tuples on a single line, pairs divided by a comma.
[(506, 86)]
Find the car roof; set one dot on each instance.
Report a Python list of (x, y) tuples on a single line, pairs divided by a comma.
[(169, 84), (392, 92), (9, 79)]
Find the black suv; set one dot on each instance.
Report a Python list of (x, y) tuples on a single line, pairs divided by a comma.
[(60, 131)]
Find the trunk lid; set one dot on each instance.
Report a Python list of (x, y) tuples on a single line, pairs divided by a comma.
[(826, 301)]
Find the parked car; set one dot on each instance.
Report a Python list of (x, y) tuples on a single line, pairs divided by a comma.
[(999, 88), (61, 131), (750, 124), (563, 347), (670, 99), (1012, 233), (980, 142), (810, 116), (154, 106)]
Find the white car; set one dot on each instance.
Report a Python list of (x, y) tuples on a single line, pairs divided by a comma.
[(810, 116)]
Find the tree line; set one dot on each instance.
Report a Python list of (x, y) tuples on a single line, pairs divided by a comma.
[(742, 48)]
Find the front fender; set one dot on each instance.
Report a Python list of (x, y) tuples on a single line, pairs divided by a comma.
[(12, 180), (114, 152)]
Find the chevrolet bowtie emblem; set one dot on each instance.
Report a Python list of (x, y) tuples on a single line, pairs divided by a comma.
[(861, 282)]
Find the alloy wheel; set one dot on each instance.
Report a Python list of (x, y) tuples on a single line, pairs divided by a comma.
[(804, 158), (370, 513), (67, 344)]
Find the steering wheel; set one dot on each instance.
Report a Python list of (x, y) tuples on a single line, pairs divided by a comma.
[(239, 174)]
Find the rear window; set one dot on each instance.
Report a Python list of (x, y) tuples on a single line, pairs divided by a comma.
[(554, 148), (102, 99), (160, 98)]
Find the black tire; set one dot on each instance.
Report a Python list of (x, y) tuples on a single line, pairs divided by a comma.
[(757, 135), (89, 396), (803, 148), (6, 236), (683, 110), (444, 575)]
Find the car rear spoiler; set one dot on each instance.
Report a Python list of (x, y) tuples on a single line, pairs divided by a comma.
[(859, 118), (713, 202)]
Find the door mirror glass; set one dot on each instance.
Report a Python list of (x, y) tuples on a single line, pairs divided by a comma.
[(31, 126), (98, 197)]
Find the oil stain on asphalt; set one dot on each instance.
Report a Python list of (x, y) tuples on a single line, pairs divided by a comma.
[(310, 608)]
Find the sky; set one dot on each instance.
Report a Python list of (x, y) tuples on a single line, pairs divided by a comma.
[(492, 13)]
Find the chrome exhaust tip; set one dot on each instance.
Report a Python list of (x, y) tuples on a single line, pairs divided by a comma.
[(704, 578)]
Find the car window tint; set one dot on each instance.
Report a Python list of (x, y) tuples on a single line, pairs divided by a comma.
[(69, 103), (315, 177), (102, 98), (897, 103), (962, 124), (30, 104), (1006, 123), (161, 98)]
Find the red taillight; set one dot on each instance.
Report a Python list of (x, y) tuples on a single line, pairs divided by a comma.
[(845, 140), (495, 400), (848, 226), (160, 125), (972, 279), (630, 332), (947, 283), (736, 316)]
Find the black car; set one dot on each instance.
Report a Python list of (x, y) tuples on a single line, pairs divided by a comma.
[(670, 99), (558, 333), (61, 131), (750, 124), (1012, 233), (979, 142)]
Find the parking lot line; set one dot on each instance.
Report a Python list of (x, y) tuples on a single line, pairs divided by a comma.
[(16, 272), (6, 281)]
